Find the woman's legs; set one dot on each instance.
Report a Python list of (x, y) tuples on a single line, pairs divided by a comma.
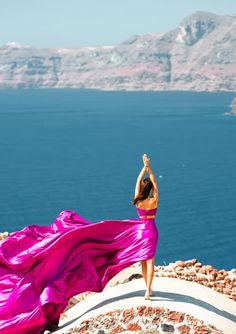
[(149, 277), (144, 270)]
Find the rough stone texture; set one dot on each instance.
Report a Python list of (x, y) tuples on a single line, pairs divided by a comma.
[(167, 328), (220, 280), (144, 320), (199, 55), (3, 235), (176, 316), (183, 329)]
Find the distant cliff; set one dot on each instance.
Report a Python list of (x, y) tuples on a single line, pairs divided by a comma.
[(199, 55), (233, 107)]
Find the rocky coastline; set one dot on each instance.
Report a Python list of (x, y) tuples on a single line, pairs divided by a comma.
[(198, 55)]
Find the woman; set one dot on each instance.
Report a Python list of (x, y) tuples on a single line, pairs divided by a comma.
[(42, 267), (146, 201)]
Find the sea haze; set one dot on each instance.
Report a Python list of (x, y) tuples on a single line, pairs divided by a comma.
[(81, 150)]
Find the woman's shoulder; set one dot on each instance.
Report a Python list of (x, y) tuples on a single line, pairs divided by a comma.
[(153, 200)]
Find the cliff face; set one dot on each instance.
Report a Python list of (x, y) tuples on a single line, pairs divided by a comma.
[(198, 55), (233, 107)]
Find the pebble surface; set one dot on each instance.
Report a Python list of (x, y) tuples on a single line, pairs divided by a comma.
[(144, 319)]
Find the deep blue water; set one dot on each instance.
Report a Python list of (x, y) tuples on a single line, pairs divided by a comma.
[(81, 150)]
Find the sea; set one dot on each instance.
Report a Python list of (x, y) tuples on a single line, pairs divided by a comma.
[(82, 150)]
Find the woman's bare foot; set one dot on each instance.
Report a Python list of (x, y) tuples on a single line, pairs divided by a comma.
[(147, 295)]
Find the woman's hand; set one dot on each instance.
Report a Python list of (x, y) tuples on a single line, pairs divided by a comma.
[(146, 160)]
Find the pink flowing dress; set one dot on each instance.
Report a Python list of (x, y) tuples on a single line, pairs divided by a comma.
[(42, 267)]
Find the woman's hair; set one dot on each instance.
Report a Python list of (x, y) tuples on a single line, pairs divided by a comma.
[(146, 187)]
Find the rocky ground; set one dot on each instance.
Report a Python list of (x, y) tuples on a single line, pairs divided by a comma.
[(3, 235), (144, 319), (220, 280)]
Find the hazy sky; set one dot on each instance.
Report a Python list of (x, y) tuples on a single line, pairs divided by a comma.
[(73, 23)]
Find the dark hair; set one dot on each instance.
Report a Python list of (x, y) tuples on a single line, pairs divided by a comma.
[(145, 190)]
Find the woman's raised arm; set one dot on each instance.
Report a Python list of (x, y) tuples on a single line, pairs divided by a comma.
[(141, 174), (146, 161), (139, 179), (154, 182)]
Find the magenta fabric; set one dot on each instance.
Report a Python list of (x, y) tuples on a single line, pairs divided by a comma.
[(42, 267), (144, 212)]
